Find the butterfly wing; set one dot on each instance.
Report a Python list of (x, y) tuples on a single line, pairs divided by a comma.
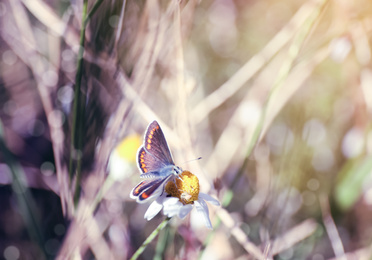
[(148, 189), (154, 155)]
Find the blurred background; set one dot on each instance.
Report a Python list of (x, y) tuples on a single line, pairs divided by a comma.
[(275, 96)]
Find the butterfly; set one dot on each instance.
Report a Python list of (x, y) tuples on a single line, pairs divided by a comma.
[(156, 164)]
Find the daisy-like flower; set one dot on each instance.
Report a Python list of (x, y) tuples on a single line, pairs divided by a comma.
[(179, 197)]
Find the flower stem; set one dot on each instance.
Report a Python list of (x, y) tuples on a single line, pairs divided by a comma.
[(149, 239), (162, 244)]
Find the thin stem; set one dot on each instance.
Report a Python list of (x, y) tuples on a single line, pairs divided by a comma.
[(94, 9), (162, 244), (149, 239), (78, 115), (77, 129)]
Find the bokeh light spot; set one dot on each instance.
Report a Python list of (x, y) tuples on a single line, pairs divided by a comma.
[(340, 48), (353, 142), (51, 246), (50, 78), (116, 234), (9, 57), (68, 55), (323, 159), (114, 20), (65, 95), (280, 138), (47, 168), (313, 184), (68, 66), (314, 132), (250, 112), (56, 118), (308, 198), (59, 229), (57, 135), (11, 253)]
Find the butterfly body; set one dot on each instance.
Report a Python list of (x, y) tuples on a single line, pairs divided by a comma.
[(155, 163), (164, 172)]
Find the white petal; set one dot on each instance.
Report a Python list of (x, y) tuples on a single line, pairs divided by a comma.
[(171, 207), (168, 201), (202, 208), (209, 198), (184, 211), (154, 209)]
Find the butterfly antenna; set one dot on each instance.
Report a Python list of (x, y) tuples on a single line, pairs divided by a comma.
[(197, 159)]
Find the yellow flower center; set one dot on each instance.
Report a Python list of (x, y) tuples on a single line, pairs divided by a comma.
[(185, 187)]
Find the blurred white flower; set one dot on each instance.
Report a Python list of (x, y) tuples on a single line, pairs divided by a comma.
[(123, 157), (179, 198)]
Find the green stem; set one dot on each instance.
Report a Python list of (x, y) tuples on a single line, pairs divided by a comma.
[(162, 244), (149, 239), (77, 128), (94, 9), (78, 110)]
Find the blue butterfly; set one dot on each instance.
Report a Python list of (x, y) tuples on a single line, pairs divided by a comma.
[(155, 162)]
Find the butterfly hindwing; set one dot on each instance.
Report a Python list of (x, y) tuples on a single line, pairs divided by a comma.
[(147, 189)]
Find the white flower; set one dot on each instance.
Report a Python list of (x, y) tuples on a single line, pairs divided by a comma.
[(180, 197), (123, 157)]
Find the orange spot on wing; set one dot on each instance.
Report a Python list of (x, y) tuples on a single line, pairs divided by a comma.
[(137, 189), (149, 141), (148, 146), (144, 195)]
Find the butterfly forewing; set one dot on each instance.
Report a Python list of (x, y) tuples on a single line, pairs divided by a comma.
[(156, 144), (149, 163)]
